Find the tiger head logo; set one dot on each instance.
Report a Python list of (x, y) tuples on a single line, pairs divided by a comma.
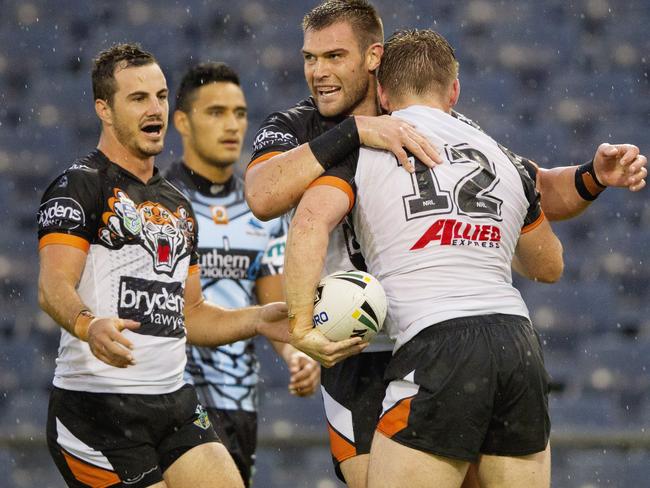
[(163, 235), (167, 236)]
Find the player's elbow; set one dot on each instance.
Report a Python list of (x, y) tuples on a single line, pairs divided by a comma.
[(261, 206), (259, 199), (551, 274), (553, 269), (43, 294)]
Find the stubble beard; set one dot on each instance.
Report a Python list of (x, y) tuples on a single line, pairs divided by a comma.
[(129, 139), (356, 97)]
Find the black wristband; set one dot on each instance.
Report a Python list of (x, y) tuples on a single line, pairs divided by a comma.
[(334, 145), (587, 184)]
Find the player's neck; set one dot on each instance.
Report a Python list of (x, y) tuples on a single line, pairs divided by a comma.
[(212, 173), (114, 150), (370, 104), (428, 101)]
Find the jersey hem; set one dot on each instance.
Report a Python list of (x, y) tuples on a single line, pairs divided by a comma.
[(64, 239), (335, 182)]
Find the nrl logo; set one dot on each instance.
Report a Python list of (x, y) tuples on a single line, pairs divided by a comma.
[(203, 421)]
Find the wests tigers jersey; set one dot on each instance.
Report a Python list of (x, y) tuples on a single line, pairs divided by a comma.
[(283, 131), (441, 241), (140, 240), (235, 250)]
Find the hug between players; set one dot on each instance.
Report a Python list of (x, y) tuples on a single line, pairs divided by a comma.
[(160, 282)]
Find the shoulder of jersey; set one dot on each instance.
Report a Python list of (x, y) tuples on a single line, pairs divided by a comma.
[(177, 190), (466, 120), (302, 109), (87, 165)]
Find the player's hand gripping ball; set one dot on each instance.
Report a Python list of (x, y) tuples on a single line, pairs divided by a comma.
[(349, 304)]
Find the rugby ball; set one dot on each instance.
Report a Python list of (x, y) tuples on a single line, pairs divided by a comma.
[(349, 304)]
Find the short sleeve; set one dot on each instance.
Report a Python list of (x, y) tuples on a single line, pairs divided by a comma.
[(342, 176), (70, 210), (276, 135), (527, 170)]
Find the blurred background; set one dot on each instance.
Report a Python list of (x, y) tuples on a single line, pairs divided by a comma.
[(551, 79)]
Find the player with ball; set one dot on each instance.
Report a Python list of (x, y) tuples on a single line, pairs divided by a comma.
[(349, 304), (467, 377)]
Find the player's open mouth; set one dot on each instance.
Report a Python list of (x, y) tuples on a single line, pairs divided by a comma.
[(325, 92), (153, 129)]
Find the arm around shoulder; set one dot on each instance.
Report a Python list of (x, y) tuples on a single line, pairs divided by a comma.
[(275, 184)]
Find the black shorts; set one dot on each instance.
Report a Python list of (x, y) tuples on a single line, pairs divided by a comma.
[(115, 440), (237, 429), (353, 391), (469, 386)]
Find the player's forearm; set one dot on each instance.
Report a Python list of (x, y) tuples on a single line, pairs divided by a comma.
[(276, 186), (208, 325), (559, 197), (305, 257), (59, 299)]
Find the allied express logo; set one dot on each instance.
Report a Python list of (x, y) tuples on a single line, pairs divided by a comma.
[(452, 232)]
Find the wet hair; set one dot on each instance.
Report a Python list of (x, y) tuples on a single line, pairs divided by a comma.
[(360, 14), (117, 56), (417, 62), (200, 75)]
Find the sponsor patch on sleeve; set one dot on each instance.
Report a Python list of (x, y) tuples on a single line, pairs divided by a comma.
[(273, 136), (61, 213)]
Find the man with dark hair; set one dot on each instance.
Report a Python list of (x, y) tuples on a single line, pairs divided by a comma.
[(241, 257), (119, 272), (295, 147)]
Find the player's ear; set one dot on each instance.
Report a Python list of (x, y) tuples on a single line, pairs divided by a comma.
[(181, 122), (454, 93), (103, 111), (383, 99), (373, 56)]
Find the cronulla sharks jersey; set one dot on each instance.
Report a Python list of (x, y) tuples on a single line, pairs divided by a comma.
[(140, 240), (235, 249)]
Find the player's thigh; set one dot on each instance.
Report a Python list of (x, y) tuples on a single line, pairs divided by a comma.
[(206, 466), (237, 430), (393, 465), (531, 471), (355, 471)]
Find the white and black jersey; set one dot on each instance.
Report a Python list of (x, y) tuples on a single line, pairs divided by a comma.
[(140, 240), (442, 240)]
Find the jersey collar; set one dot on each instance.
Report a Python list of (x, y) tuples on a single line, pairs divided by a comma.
[(205, 186), (112, 166)]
